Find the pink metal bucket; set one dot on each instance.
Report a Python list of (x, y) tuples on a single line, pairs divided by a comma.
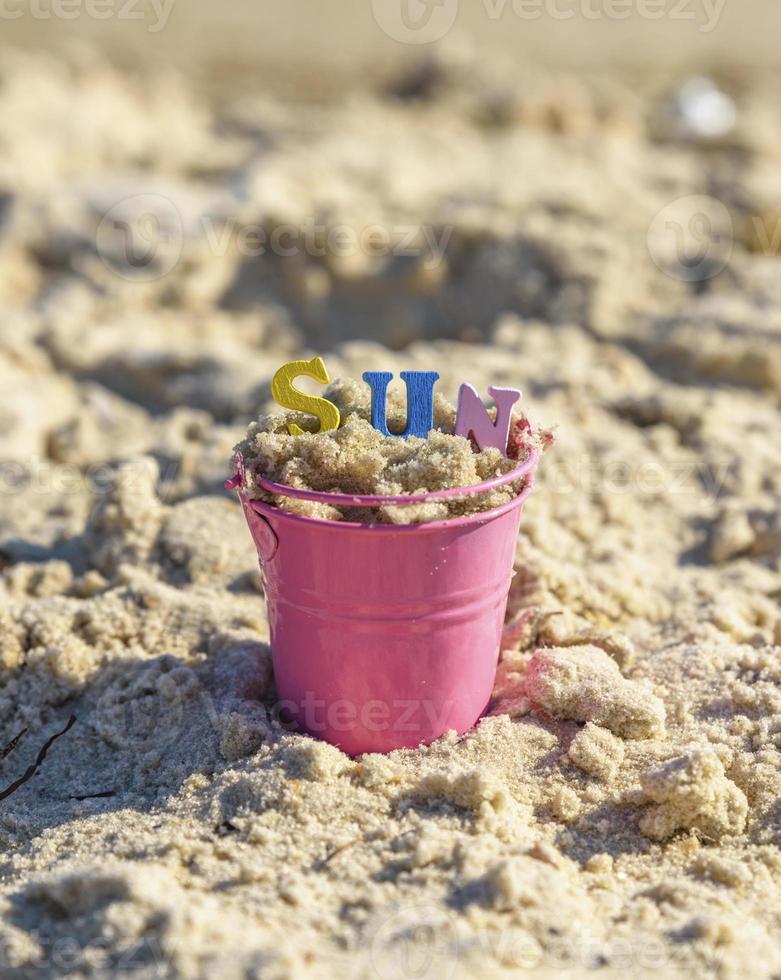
[(386, 636)]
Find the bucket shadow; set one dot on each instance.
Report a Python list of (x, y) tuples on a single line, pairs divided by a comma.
[(452, 285)]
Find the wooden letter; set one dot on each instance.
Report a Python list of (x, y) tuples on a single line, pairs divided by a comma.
[(284, 394), (420, 401), (473, 417)]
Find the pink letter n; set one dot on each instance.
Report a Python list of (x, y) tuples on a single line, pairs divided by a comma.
[(473, 418)]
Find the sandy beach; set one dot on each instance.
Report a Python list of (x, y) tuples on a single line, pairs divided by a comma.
[(596, 238)]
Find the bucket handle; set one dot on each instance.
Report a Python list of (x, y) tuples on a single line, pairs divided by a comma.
[(378, 500)]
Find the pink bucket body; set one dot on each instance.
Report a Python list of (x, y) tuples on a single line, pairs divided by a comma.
[(385, 636)]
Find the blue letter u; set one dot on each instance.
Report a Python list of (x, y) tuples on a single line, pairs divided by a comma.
[(420, 401)]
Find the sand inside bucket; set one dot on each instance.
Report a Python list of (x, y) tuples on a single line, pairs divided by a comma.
[(357, 458)]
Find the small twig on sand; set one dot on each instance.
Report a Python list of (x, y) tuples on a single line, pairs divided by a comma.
[(31, 770), (105, 795), (319, 865), (13, 743)]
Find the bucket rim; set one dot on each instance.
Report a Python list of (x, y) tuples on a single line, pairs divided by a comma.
[(381, 500), (482, 517)]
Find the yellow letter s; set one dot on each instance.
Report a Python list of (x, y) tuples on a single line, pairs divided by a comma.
[(284, 394)]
